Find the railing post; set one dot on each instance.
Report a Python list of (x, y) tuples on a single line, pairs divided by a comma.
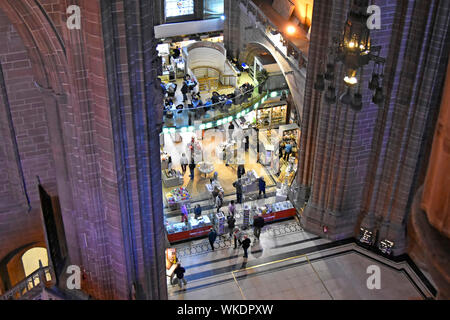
[(42, 279)]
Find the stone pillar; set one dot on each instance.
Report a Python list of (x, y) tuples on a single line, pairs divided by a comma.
[(418, 50), (54, 104)]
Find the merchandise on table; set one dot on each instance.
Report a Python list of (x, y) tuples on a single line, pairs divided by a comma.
[(177, 227), (250, 181), (178, 195), (200, 222)]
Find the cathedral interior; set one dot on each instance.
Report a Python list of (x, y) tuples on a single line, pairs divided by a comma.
[(224, 149)]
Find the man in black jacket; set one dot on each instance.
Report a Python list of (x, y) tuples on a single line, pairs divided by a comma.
[(231, 223), (179, 271), (238, 185), (258, 224), (245, 245), (240, 171)]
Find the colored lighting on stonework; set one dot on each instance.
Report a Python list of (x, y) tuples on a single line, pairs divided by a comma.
[(230, 119), (273, 94), (172, 130), (291, 30), (202, 126), (209, 125), (191, 128), (219, 122)]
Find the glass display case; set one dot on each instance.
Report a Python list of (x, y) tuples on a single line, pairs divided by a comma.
[(192, 228)]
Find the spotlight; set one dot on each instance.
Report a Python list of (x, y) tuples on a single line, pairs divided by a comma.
[(222, 17), (291, 30)]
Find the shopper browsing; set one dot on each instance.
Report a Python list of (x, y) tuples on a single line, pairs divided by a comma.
[(238, 185), (197, 211), (184, 213), (262, 187), (219, 201)]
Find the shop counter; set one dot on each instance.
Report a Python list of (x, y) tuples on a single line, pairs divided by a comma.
[(188, 230), (278, 211)]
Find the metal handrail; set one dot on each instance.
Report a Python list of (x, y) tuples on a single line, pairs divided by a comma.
[(38, 279)]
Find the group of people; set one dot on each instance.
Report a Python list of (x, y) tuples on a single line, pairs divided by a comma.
[(193, 100), (239, 238), (285, 147)]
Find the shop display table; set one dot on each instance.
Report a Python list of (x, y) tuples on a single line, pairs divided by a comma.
[(177, 197), (279, 211), (172, 178), (205, 168), (276, 211), (193, 229), (250, 181), (210, 186)]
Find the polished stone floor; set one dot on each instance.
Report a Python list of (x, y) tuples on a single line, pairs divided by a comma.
[(289, 263)]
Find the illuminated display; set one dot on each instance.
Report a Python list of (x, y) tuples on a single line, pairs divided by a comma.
[(175, 8)]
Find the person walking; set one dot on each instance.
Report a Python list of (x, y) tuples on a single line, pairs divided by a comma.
[(238, 185), (184, 91), (179, 271), (262, 187), (212, 235), (184, 162), (287, 151), (240, 171), (258, 224), (231, 223), (232, 208), (219, 201), (192, 170), (237, 234), (245, 245), (230, 131)]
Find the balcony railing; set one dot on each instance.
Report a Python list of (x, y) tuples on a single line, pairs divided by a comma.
[(35, 282), (208, 116)]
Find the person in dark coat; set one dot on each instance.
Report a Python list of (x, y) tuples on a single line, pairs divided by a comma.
[(184, 91), (179, 272), (238, 185), (212, 235), (192, 169), (262, 187), (231, 223), (245, 245), (240, 171), (258, 224)]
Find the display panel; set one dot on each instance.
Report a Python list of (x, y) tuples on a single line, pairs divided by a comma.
[(175, 8)]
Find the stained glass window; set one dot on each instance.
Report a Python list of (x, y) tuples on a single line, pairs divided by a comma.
[(175, 8)]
